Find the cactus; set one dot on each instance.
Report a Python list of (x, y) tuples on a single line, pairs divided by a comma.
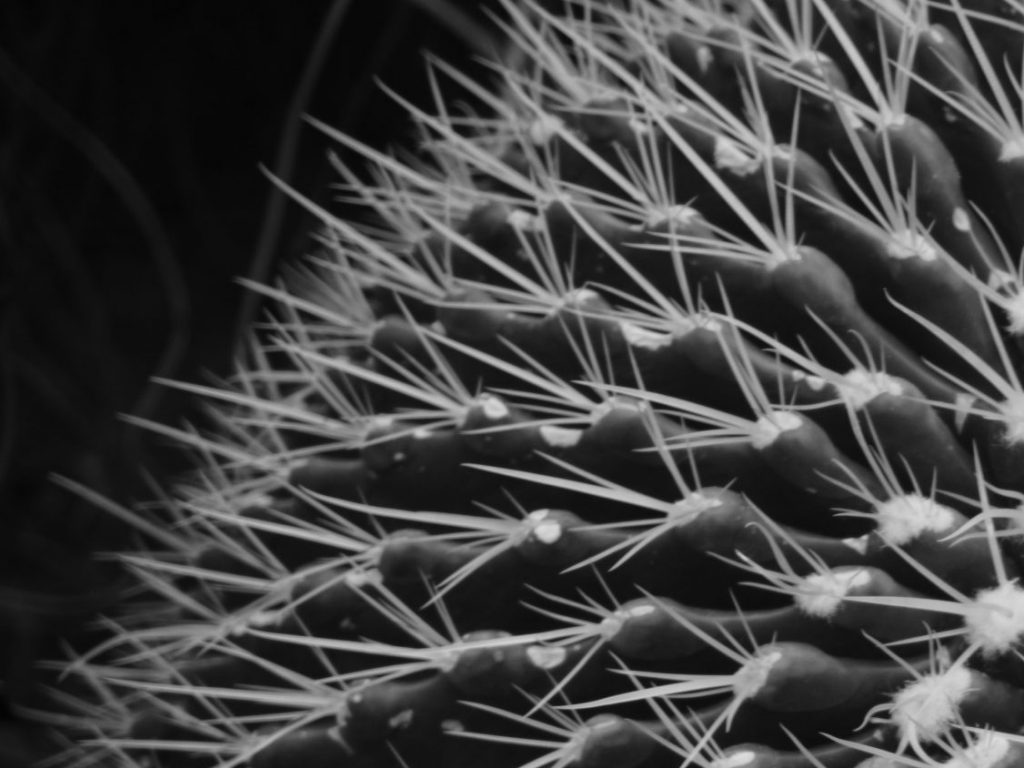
[(664, 410)]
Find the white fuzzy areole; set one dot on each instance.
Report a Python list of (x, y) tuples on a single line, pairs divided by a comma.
[(641, 338), (638, 126), (995, 618), (768, 428), (751, 677), (544, 129), (925, 709), (560, 437), (704, 58), (363, 577), (380, 422), (902, 519), (1013, 305), (1012, 149), (735, 760), (961, 220), (987, 752), (676, 214), (858, 543), (814, 59), (961, 408), (638, 610), (707, 323), (402, 720), (816, 383), (612, 624), (1012, 410), (730, 157), (546, 656), (579, 297), (258, 620), (860, 386), (493, 408), (602, 409), (850, 116), (907, 244), (692, 505), (1012, 299), (892, 119), (548, 532), (543, 529), (821, 594), (524, 222), (1014, 520)]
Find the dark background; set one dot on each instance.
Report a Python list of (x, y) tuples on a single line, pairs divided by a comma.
[(131, 138)]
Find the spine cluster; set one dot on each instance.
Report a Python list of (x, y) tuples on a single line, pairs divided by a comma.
[(666, 410)]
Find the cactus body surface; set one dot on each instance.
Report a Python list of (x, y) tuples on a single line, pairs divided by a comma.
[(667, 411)]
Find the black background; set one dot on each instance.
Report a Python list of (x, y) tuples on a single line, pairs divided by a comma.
[(131, 138)]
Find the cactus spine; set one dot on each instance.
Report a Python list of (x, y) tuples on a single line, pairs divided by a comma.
[(668, 412)]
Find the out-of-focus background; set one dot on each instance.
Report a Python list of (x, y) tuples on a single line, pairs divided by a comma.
[(131, 138)]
